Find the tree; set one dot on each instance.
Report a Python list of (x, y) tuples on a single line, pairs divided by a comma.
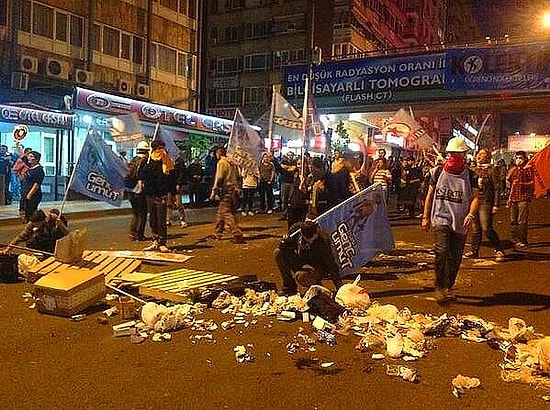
[(341, 140)]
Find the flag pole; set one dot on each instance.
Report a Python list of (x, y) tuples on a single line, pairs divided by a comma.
[(155, 133), (71, 178), (271, 115)]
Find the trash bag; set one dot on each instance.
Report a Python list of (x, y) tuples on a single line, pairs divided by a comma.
[(321, 303), (25, 263), (544, 354), (353, 296)]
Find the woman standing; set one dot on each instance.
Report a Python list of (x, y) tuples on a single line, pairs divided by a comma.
[(31, 185)]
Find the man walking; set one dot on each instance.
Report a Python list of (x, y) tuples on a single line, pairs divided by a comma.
[(489, 200), (226, 186), (522, 187), (450, 206)]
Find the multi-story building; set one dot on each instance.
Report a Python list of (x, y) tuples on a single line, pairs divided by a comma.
[(125, 56), (247, 43)]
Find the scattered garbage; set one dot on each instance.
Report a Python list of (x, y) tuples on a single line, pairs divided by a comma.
[(406, 373), (78, 318), (353, 296), (461, 383), (242, 355)]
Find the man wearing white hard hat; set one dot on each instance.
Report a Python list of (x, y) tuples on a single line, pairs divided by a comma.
[(450, 206), (134, 187)]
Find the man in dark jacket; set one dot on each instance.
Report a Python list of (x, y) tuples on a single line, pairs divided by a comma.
[(156, 178), (135, 191), (304, 257)]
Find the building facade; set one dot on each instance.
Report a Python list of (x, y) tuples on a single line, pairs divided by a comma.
[(142, 51), (248, 43)]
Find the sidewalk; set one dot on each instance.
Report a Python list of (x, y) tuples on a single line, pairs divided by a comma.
[(9, 214)]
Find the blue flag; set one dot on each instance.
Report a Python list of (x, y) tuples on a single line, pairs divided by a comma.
[(358, 228), (99, 172)]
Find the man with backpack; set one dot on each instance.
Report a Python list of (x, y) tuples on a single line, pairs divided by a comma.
[(449, 209)]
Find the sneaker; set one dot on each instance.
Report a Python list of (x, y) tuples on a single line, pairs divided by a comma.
[(184, 224), (499, 256), (270, 211), (520, 245), (471, 255), (250, 213), (153, 247), (163, 249), (243, 213)]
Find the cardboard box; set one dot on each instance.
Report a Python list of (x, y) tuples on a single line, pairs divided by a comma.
[(69, 292)]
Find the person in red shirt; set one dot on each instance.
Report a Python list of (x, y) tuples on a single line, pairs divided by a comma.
[(522, 186)]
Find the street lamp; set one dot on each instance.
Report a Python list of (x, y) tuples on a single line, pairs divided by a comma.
[(546, 20)]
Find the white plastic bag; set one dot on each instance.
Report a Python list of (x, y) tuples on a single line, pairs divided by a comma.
[(353, 296), (25, 263)]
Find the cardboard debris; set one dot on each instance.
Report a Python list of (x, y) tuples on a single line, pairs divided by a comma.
[(70, 248), (149, 255), (69, 292)]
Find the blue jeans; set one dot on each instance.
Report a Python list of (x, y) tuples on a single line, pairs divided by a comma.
[(519, 218), (449, 247), (483, 223)]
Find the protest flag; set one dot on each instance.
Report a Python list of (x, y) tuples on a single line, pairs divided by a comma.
[(358, 228), (162, 134), (541, 167), (99, 172), (245, 146), (314, 127), (126, 128), (403, 124)]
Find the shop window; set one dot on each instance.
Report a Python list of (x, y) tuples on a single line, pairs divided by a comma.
[(48, 154)]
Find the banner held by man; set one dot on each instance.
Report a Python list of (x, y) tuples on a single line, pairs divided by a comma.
[(245, 146), (359, 228), (99, 172)]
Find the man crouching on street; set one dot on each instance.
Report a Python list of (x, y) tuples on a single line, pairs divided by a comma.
[(304, 257)]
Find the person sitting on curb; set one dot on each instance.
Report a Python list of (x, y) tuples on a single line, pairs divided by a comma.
[(304, 257), (41, 232)]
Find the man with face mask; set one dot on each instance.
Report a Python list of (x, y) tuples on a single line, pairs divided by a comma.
[(522, 186), (449, 209), (489, 200)]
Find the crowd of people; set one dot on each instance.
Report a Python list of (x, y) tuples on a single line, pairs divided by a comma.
[(453, 197)]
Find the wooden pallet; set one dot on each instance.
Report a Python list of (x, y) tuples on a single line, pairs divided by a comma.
[(109, 266), (177, 285)]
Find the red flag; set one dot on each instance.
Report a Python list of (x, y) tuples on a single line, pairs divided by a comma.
[(314, 126), (541, 167)]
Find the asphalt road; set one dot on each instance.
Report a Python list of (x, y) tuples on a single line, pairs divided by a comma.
[(53, 362)]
